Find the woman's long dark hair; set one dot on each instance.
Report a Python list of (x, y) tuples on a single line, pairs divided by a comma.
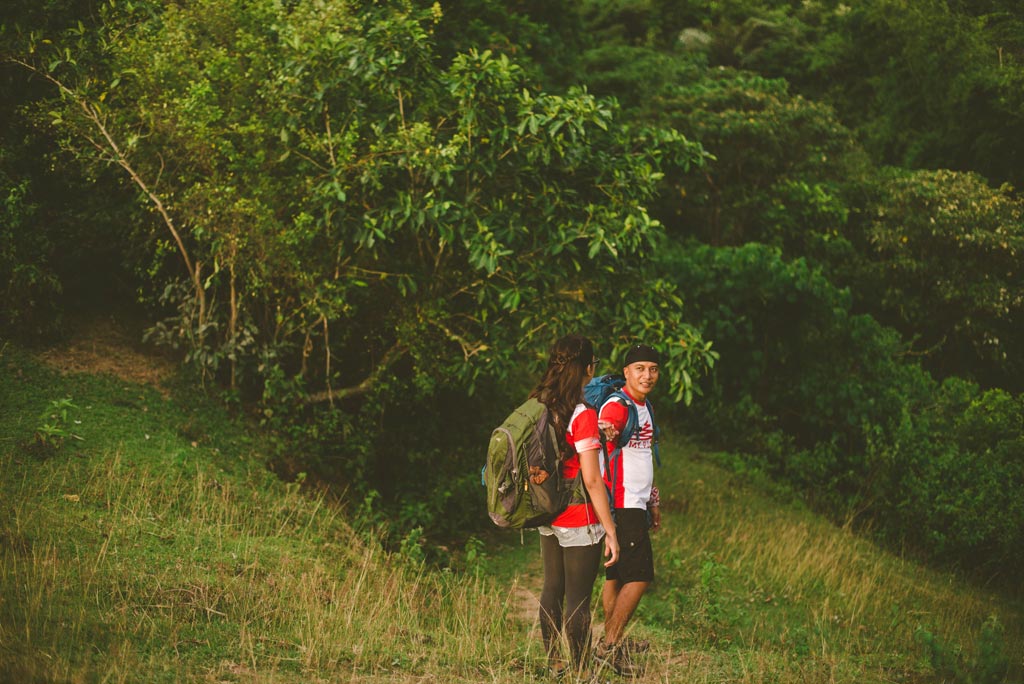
[(561, 388)]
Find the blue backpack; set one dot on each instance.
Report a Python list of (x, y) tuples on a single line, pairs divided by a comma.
[(596, 393)]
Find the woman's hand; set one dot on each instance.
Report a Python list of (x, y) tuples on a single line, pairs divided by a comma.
[(598, 495), (611, 547)]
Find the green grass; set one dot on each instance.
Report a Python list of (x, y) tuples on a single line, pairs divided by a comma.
[(755, 590), (159, 548)]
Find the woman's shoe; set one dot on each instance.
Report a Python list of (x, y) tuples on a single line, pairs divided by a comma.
[(559, 669)]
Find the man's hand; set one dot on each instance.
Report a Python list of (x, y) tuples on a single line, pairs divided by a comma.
[(608, 431), (655, 518)]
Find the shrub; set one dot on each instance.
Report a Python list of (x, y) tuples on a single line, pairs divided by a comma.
[(944, 258), (28, 286), (827, 400)]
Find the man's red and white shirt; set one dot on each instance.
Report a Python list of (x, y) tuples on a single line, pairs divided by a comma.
[(633, 472)]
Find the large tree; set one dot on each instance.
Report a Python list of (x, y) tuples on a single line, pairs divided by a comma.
[(330, 203)]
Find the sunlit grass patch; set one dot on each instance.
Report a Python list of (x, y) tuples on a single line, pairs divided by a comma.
[(753, 580), (153, 559), (132, 569)]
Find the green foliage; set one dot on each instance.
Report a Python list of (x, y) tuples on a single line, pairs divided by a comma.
[(710, 588), (411, 548), (826, 399), (787, 336), (786, 173), (474, 557), (635, 75), (357, 215), (950, 97), (542, 36), (989, 666), (55, 424), (953, 495), (928, 85), (946, 261), (322, 177), (28, 285), (781, 164), (620, 22), (354, 226), (66, 230)]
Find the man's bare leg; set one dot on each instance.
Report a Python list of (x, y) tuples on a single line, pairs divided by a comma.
[(609, 592), (619, 602)]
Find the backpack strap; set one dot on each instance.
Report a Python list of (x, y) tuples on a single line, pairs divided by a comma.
[(632, 420), (656, 437), (613, 459)]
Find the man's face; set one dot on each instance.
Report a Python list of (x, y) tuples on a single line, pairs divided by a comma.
[(641, 377)]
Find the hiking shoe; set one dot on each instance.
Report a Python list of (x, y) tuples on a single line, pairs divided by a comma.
[(635, 646), (615, 658)]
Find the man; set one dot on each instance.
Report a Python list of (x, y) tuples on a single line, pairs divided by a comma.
[(636, 505)]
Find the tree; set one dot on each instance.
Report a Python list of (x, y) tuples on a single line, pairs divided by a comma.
[(50, 219), (541, 36), (947, 260), (338, 208), (930, 84), (781, 169)]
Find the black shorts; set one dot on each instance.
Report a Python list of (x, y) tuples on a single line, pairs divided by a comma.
[(636, 559)]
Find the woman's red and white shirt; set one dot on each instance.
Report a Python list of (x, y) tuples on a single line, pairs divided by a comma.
[(577, 525)]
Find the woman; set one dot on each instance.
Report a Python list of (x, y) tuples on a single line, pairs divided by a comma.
[(571, 545)]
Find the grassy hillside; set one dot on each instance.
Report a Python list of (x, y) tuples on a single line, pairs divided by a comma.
[(760, 591), (154, 546), (159, 548)]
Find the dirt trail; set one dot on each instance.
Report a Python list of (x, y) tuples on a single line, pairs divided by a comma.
[(104, 345), (527, 596)]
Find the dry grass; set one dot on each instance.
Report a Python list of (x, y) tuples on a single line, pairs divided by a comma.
[(105, 346), (116, 573), (164, 556), (793, 598)]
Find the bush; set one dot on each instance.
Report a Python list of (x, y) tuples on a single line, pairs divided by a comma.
[(944, 250), (827, 400), (28, 286)]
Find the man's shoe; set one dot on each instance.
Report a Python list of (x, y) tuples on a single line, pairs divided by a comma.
[(635, 646), (615, 658)]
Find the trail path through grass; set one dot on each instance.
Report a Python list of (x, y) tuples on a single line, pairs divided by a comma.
[(105, 346)]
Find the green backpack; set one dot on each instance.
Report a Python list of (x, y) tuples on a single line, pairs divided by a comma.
[(527, 438)]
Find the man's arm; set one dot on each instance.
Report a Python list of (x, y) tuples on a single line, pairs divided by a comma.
[(654, 506), (612, 420)]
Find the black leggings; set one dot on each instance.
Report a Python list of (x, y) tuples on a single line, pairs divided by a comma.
[(569, 573)]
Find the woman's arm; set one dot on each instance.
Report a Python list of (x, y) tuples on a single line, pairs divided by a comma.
[(594, 483)]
